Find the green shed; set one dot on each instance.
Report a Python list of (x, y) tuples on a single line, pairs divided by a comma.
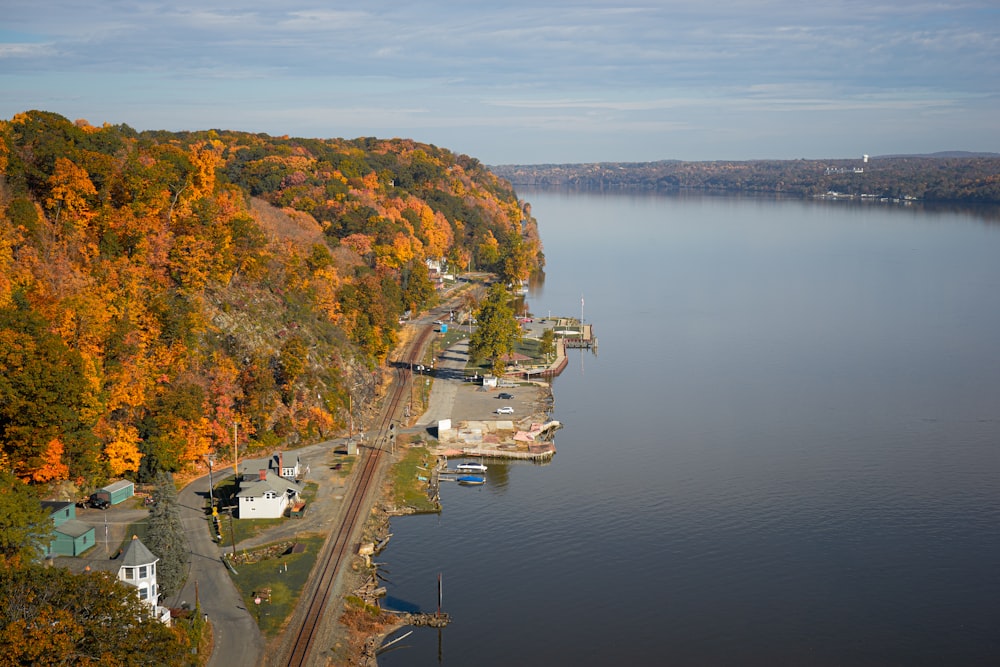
[(70, 537), (120, 491)]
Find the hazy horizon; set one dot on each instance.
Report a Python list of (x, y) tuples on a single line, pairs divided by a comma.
[(553, 82)]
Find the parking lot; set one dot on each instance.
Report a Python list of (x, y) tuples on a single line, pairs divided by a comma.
[(459, 400)]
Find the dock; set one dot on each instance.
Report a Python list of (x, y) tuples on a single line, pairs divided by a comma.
[(583, 337)]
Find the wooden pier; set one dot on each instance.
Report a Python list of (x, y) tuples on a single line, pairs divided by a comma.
[(585, 340)]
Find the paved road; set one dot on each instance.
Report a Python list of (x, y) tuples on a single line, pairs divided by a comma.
[(450, 366), (237, 639)]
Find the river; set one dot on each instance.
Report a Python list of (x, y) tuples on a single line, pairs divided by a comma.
[(786, 451)]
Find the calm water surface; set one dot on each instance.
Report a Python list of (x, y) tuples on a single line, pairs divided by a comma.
[(787, 451)]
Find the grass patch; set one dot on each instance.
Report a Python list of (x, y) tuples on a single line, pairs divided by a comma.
[(408, 490), (284, 575)]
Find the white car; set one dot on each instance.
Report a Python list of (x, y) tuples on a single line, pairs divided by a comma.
[(506, 410)]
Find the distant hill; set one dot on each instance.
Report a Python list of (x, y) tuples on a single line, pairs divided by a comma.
[(946, 176), (944, 154)]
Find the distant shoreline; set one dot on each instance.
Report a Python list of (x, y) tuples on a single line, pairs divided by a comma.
[(967, 179)]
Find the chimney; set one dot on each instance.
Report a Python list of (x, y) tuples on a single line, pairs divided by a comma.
[(263, 474), (281, 463)]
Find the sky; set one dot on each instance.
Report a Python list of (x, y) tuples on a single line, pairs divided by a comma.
[(526, 82)]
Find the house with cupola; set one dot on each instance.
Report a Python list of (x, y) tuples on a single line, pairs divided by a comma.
[(134, 565), (138, 569)]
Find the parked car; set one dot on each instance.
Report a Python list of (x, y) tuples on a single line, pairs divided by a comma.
[(98, 502), (505, 410), (505, 396)]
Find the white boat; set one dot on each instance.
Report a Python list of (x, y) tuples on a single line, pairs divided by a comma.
[(471, 467)]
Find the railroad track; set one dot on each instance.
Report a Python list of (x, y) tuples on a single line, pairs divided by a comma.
[(337, 549)]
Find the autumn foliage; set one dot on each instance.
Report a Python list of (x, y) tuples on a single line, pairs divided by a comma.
[(158, 288)]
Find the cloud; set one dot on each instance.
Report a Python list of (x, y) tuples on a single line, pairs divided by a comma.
[(739, 68)]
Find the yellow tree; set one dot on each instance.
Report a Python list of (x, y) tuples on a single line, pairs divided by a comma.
[(69, 187), (192, 260), (325, 283), (436, 230), (121, 446), (204, 157)]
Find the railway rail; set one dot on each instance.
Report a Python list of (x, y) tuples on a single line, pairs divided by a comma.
[(338, 547)]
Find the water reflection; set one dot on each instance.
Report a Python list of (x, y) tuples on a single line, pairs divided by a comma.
[(785, 453)]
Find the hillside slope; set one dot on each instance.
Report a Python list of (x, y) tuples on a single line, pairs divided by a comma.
[(158, 288)]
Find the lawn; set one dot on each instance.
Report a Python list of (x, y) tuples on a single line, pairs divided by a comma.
[(276, 581), (407, 487)]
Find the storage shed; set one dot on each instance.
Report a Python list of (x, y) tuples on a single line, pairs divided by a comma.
[(70, 537), (120, 491)]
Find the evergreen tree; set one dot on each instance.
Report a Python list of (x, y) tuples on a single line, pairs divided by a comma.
[(165, 537)]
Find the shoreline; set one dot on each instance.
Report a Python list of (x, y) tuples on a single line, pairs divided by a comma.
[(455, 399)]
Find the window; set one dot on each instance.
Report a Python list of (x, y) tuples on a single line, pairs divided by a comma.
[(152, 570), (130, 573), (142, 571), (143, 593)]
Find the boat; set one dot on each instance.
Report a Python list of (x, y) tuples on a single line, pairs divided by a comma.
[(472, 480), (471, 467)]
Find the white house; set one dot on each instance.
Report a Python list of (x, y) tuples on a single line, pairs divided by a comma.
[(281, 464), (267, 497), (138, 569)]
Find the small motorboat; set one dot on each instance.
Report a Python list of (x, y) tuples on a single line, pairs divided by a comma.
[(471, 467), (472, 480)]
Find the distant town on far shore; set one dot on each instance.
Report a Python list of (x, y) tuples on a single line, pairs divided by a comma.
[(952, 176)]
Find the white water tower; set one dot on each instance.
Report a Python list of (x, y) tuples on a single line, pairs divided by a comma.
[(864, 158)]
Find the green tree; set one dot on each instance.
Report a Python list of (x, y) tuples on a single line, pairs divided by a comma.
[(165, 536), (42, 391), (516, 265), (51, 616), (547, 344), (496, 329), (418, 290), (25, 528)]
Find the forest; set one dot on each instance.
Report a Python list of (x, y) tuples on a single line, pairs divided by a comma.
[(161, 292), (946, 177)]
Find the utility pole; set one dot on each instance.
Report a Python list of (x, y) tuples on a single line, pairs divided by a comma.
[(236, 454), (211, 485)]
